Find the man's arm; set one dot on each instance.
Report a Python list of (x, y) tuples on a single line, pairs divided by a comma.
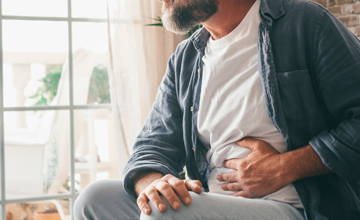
[(336, 69), (302, 163), (159, 152), (160, 146), (265, 171)]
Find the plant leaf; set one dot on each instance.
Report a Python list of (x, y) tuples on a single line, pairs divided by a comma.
[(157, 24)]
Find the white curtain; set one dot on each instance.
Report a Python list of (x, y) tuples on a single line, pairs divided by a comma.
[(138, 59)]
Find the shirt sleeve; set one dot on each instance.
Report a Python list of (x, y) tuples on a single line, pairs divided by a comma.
[(337, 68), (160, 145)]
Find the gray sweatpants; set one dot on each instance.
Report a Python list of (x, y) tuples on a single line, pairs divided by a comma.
[(106, 200)]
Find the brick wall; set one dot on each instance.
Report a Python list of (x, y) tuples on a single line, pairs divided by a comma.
[(348, 11)]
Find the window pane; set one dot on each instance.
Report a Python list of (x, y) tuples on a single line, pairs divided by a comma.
[(37, 155), (39, 8), (95, 153), (54, 209), (90, 47), (35, 55), (89, 9)]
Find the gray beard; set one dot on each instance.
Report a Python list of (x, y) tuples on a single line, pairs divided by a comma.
[(180, 19)]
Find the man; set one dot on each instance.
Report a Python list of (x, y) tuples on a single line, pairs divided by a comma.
[(304, 74)]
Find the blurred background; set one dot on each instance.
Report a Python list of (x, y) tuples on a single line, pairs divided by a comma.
[(77, 81), (78, 78), (40, 48)]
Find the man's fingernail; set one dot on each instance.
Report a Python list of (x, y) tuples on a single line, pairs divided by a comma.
[(176, 204), (146, 211), (218, 178), (162, 207), (187, 200)]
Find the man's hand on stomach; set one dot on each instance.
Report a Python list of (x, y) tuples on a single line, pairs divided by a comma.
[(265, 170), (149, 186), (256, 175)]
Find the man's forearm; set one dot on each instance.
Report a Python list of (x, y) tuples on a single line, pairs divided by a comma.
[(302, 163), (144, 179)]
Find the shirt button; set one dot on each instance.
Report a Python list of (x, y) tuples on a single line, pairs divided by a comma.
[(192, 109), (199, 70)]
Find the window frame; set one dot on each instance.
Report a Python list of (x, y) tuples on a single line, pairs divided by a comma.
[(71, 107)]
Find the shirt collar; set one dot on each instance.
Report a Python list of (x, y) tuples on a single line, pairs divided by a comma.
[(269, 10), (199, 38)]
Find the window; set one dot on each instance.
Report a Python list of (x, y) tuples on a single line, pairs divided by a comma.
[(55, 114)]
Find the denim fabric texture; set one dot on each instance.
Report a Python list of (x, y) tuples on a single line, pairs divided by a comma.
[(309, 64)]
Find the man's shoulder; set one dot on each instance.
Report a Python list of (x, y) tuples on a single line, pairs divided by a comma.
[(301, 19), (183, 46), (185, 52), (188, 44), (303, 8), (301, 4)]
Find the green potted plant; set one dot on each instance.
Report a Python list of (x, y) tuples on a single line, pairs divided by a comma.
[(99, 91)]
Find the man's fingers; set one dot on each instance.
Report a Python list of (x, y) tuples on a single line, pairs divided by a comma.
[(142, 202), (242, 194), (154, 197), (168, 192), (193, 185), (228, 177), (180, 189), (170, 188), (248, 143), (232, 164), (231, 186)]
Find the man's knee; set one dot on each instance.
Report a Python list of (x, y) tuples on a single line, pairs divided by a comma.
[(91, 194), (95, 196)]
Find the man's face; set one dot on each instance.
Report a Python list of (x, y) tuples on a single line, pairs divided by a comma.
[(180, 16)]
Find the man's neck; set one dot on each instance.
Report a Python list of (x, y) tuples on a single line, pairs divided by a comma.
[(228, 17)]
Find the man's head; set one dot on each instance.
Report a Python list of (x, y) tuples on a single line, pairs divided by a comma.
[(180, 16)]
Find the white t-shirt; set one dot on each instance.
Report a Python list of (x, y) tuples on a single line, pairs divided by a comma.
[(232, 104)]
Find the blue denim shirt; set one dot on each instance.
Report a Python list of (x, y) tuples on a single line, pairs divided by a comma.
[(309, 64)]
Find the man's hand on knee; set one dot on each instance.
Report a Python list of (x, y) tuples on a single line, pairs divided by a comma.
[(168, 186)]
